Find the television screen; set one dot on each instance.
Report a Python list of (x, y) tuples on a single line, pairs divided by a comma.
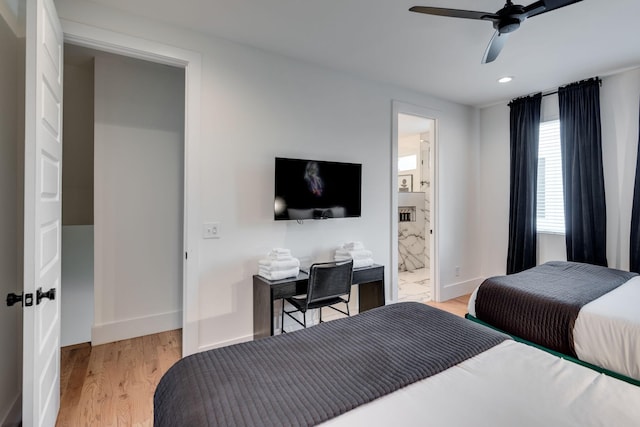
[(314, 189)]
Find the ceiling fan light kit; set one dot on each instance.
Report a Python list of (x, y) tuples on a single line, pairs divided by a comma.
[(505, 21)]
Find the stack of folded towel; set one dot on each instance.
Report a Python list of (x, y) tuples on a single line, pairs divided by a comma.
[(278, 265), (354, 250)]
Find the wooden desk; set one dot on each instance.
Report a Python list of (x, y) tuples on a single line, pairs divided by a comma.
[(370, 281)]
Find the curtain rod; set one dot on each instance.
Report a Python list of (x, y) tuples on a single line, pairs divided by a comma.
[(599, 80)]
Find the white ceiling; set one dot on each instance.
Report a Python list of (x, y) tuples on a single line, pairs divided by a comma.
[(383, 41)]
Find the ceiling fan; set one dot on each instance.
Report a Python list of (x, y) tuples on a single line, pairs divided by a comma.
[(505, 21)]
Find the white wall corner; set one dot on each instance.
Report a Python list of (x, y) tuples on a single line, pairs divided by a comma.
[(137, 327), (455, 290)]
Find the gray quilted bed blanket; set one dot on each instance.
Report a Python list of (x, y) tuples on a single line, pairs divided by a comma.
[(310, 376), (541, 304)]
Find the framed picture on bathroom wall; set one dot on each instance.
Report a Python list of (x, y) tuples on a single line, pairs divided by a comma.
[(405, 183)]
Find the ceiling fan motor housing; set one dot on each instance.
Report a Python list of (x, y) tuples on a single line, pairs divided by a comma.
[(509, 18), (507, 25)]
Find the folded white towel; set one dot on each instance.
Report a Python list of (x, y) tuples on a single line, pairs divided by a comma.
[(355, 254), (275, 265), (281, 251), (353, 246), (278, 257), (278, 275), (359, 263)]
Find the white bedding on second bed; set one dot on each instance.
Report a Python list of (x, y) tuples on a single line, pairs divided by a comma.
[(607, 330), (511, 384)]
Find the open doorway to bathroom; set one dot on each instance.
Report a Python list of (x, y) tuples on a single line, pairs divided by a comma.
[(416, 136)]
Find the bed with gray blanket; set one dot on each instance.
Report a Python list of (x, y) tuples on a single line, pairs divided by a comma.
[(361, 369), (576, 309)]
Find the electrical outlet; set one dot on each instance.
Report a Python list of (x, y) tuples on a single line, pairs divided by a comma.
[(457, 270), (211, 230)]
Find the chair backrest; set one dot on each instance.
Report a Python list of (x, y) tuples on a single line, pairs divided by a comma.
[(329, 280)]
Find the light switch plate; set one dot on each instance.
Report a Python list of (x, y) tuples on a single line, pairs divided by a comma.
[(211, 230)]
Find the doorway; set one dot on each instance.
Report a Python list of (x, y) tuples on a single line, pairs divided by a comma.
[(191, 63), (137, 178), (414, 204), (415, 137)]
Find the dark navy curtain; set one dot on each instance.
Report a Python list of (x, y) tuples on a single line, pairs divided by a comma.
[(525, 131), (583, 177), (634, 264)]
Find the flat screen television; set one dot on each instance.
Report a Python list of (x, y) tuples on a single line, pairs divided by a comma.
[(315, 189)]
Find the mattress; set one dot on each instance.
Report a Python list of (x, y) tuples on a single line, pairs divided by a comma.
[(511, 384), (606, 332)]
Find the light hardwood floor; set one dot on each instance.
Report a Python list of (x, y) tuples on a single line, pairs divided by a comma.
[(457, 306), (113, 384)]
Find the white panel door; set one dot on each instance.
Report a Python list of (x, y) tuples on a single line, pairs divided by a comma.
[(43, 219)]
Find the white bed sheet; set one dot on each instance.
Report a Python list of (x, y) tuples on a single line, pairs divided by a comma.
[(607, 330), (511, 384)]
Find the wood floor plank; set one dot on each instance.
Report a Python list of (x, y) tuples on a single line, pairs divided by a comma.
[(75, 363), (457, 306), (113, 384)]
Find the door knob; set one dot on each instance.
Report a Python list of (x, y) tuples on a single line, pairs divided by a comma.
[(51, 294), (12, 299)]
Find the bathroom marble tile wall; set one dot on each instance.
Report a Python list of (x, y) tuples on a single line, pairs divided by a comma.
[(412, 234)]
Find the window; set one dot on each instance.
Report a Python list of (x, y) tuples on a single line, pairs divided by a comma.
[(407, 163), (550, 203)]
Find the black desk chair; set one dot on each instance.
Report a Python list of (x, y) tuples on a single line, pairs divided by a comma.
[(329, 284)]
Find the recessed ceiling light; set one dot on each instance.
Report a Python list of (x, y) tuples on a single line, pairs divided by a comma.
[(505, 79)]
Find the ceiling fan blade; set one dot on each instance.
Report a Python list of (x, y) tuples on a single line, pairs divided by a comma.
[(534, 9), (454, 13), (549, 5), (495, 46)]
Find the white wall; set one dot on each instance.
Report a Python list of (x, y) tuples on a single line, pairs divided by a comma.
[(494, 184), (256, 106), (139, 127), (77, 294), (457, 205), (10, 329), (619, 97)]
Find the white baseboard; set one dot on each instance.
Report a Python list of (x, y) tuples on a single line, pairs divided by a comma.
[(131, 328), (455, 290), (14, 416), (225, 343)]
